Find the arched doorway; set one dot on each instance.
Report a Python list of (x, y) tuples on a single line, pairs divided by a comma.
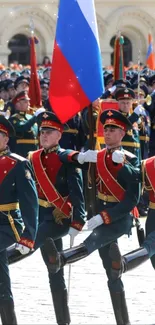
[(127, 50), (20, 49)]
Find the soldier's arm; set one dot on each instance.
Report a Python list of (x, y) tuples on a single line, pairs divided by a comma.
[(28, 201), (130, 200), (133, 118), (21, 126), (76, 197)]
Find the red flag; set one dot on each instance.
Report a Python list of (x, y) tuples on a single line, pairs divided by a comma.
[(105, 104), (34, 89), (150, 56), (119, 72)]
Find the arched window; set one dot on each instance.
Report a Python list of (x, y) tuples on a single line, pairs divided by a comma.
[(127, 50), (20, 49)]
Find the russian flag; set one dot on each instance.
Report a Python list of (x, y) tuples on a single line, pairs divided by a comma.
[(150, 56), (76, 77)]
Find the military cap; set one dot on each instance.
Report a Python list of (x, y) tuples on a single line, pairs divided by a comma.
[(115, 118), (108, 78), (124, 93), (142, 89), (3, 85), (44, 82), (23, 95), (48, 120), (9, 84), (25, 71), (14, 74), (21, 79), (122, 83), (6, 127)]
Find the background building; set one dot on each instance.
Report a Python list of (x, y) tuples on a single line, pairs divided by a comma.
[(135, 19)]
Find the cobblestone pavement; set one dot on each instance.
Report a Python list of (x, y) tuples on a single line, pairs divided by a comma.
[(89, 297)]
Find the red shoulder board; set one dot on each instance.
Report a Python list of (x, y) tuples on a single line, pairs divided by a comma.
[(7, 163)]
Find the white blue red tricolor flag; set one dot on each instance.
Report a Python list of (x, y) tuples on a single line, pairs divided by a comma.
[(76, 76)]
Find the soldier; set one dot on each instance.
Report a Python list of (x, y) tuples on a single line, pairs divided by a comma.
[(17, 188), (131, 141), (116, 198), (22, 84), (25, 126), (61, 202), (132, 259)]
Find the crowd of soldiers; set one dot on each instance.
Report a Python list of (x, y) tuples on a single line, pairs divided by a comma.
[(44, 175)]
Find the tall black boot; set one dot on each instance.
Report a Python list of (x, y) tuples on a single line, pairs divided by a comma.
[(58, 259), (60, 302), (120, 308), (122, 264), (7, 313)]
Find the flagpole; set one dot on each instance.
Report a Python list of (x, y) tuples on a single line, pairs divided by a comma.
[(92, 167)]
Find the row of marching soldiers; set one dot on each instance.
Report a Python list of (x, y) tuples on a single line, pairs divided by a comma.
[(57, 178)]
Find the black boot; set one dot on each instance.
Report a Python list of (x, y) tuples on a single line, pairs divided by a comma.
[(120, 308), (14, 255), (58, 259), (122, 264), (60, 302), (7, 313)]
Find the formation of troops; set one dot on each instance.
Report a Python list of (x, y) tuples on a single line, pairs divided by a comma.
[(45, 183)]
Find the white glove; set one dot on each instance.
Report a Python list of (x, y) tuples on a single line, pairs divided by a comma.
[(94, 222), (22, 249), (112, 89), (73, 233), (118, 156), (39, 111), (88, 156), (139, 110)]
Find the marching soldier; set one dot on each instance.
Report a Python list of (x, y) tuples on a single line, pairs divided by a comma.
[(61, 202), (116, 198), (17, 188), (145, 175), (25, 126)]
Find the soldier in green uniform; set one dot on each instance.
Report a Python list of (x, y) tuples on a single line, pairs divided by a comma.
[(131, 141), (61, 202), (116, 198), (25, 126), (17, 188)]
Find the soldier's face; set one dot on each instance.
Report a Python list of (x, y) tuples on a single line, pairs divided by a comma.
[(49, 138), (22, 86), (3, 141), (113, 136), (125, 105)]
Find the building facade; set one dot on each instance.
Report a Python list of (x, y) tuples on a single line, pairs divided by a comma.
[(135, 19)]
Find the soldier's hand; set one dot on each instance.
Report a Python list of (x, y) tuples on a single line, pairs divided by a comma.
[(112, 89), (22, 249), (139, 110), (118, 156), (94, 222), (88, 156), (39, 111)]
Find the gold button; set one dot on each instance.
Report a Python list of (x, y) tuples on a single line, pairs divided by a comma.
[(13, 163), (5, 171), (46, 157)]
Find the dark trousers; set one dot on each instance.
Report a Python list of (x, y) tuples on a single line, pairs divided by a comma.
[(7, 238), (106, 234), (58, 288), (49, 228), (114, 286)]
